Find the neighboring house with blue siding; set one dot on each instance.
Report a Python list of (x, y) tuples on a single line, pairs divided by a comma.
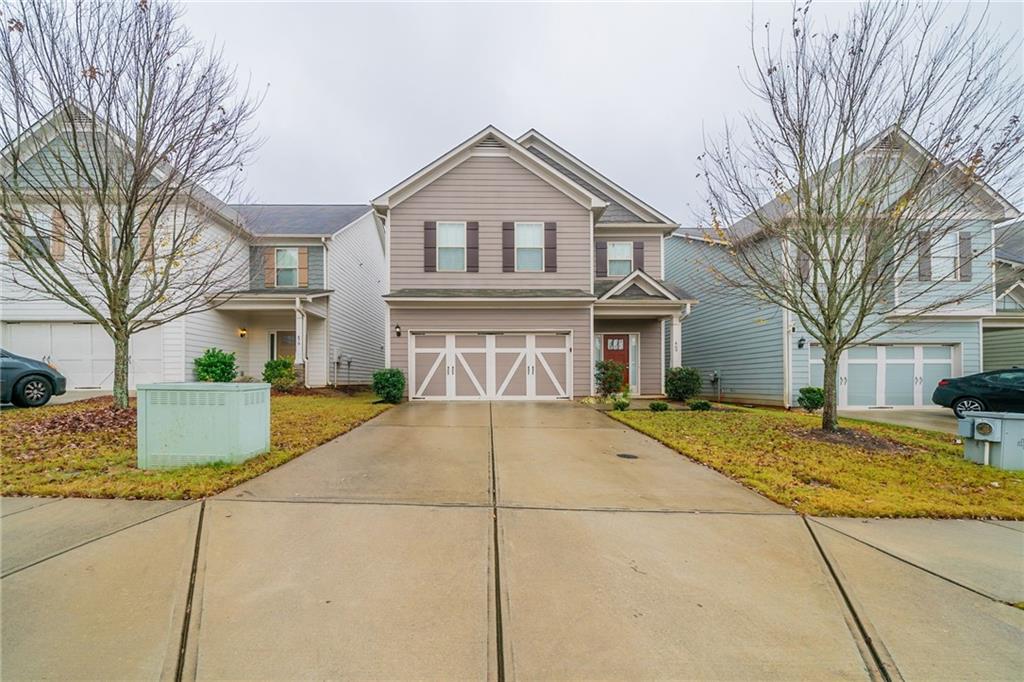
[(751, 351)]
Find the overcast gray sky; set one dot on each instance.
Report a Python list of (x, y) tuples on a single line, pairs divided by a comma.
[(361, 95)]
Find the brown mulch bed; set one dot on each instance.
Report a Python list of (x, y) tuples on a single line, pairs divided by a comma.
[(854, 438)]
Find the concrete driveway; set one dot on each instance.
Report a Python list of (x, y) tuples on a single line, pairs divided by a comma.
[(930, 418), (500, 541)]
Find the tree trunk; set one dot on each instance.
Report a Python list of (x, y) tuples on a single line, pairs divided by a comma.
[(120, 370), (829, 420)]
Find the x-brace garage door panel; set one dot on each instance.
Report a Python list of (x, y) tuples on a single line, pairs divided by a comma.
[(512, 366)]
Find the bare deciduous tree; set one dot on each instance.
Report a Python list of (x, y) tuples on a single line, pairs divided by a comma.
[(855, 196), (122, 137)]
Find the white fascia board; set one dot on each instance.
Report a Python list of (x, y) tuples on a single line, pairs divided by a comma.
[(624, 283), (346, 225), (637, 229), (463, 151), (532, 137)]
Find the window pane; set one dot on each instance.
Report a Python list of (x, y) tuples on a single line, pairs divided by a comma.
[(619, 268), (531, 260), (287, 258), (451, 234), (287, 277), (862, 353), (817, 352), (620, 251), (899, 353), (451, 259), (937, 352), (530, 234)]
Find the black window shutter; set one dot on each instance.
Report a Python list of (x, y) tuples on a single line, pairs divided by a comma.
[(430, 247), (601, 259), (508, 247), (550, 247), (473, 247), (638, 255), (924, 256), (966, 257)]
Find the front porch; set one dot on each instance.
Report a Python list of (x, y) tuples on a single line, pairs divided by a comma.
[(278, 325), (637, 322)]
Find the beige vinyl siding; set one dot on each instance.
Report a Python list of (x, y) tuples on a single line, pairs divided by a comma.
[(490, 190), (576, 320), (652, 248), (213, 329), (651, 355)]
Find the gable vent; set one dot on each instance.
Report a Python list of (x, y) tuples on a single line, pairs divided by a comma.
[(888, 143), (490, 142)]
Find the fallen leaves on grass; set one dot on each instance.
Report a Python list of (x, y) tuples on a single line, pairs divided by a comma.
[(866, 470), (87, 448)]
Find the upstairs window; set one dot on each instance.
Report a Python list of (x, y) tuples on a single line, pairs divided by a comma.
[(286, 265), (620, 259), (946, 256), (451, 247), (529, 247)]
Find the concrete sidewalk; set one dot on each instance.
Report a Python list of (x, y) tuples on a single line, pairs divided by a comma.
[(475, 541)]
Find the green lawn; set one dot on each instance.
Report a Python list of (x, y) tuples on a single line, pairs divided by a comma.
[(889, 471), (85, 449)]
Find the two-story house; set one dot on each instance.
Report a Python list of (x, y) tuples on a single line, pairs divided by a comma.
[(752, 351), (512, 267), (309, 286), (1003, 345)]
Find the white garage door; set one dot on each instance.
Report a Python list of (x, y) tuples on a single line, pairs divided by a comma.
[(506, 366), (887, 375), (84, 353)]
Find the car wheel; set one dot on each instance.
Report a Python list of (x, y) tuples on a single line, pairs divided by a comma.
[(962, 405), (33, 392)]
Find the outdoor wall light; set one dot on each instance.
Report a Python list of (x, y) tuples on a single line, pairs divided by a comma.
[(398, 330), (242, 331), (801, 342)]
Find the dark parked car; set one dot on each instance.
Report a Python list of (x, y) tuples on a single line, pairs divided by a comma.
[(27, 382), (999, 391)]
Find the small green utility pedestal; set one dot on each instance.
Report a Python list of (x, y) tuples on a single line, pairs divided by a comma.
[(201, 423)]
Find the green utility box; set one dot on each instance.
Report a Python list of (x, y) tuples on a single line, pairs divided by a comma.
[(200, 423)]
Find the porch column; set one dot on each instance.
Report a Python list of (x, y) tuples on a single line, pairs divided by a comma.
[(300, 337), (677, 340)]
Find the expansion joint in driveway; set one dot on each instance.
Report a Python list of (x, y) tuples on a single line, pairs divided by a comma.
[(499, 637), (187, 618), (880, 664), (913, 565)]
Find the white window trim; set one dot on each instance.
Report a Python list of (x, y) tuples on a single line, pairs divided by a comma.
[(516, 247), (272, 336), (608, 258), (438, 247), (938, 260), (278, 268)]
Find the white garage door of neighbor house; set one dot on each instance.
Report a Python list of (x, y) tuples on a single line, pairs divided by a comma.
[(889, 375), (499, 366), (84, 353)]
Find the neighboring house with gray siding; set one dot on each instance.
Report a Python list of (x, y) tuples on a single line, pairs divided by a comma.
[(512, 267), (751, 351)]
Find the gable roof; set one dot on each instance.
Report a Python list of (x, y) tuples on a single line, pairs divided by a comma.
[(638, 285), (747, 227), (299, 220), (490, 142), (623, 207), (46, 129)]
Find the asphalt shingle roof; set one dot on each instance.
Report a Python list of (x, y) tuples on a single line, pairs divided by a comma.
[(490, 293), (602, 286), (615, 213), (296, 219)]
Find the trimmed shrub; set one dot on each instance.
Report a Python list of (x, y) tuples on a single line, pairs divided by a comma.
[(811, 398), (700, 405), (215, 365), (620, 404), (281, 367), (609, 377), (658, 406), (682, 383), (285, 384), (389, 385)]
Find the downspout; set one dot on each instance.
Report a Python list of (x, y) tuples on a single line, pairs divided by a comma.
[(332, 375), (787, 358), (304, 339)]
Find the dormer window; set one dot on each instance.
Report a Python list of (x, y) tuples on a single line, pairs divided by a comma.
[(620, 259), (286, 263)]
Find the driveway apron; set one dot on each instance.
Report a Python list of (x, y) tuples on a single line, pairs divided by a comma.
[(499, 541)]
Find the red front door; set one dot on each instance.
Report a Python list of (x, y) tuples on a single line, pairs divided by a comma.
[(616, 347)]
